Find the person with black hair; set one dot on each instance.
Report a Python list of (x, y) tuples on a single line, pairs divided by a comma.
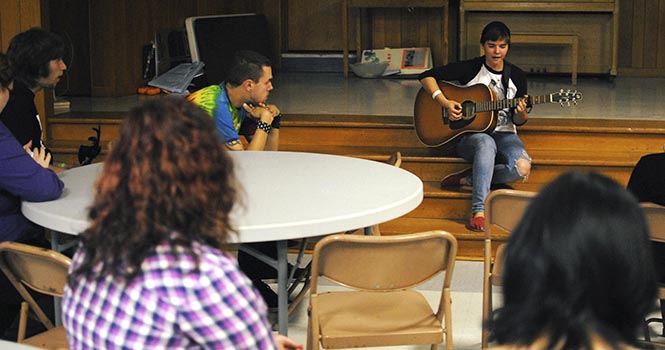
[(22, 177), (239, 104), (499, 157), (36, 56), (578, 271)]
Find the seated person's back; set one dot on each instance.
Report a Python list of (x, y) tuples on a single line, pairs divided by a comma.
[(578, 272)]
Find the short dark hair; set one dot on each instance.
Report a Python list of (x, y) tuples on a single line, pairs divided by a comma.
[(495, 31), (31, 52), (577, 265), (245, 65), (6, 72)]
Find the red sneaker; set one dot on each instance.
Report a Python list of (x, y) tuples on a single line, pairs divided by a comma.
[(477, 224), (453, 180)]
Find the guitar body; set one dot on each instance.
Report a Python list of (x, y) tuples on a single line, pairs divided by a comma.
[(433, 127)]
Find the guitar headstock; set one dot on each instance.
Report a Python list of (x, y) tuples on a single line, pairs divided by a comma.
[(565, 98)]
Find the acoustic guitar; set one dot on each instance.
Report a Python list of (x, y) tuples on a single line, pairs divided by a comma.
[(479, 111)]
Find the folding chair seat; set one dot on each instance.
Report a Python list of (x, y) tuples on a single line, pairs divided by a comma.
[(380, 306), (42, 271)]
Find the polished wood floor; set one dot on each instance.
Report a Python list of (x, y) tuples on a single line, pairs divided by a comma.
[(330, 93)]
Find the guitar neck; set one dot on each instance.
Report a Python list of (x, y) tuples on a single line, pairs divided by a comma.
[(510, 103)]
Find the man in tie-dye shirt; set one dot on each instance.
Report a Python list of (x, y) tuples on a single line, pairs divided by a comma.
[(239, 107), (238, 104)]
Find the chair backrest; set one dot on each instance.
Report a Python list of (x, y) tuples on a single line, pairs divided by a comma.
[(655, 215), (42, 270), (382, 263), (395, 159), (504, 210)]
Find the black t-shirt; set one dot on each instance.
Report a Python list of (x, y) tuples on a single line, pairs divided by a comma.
[(20, 115)]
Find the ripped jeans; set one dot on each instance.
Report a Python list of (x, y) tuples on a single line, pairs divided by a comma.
[(494, 157)]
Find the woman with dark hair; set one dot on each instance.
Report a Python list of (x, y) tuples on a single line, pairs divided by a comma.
[(497, 157), (150, 271), (36, 55), (23, 177), (578, 269)]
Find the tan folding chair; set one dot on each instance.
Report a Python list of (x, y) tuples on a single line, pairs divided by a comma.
[(395, 159), (43, 271), (655, 215), (380, 307), (503, 211), (304, 279)]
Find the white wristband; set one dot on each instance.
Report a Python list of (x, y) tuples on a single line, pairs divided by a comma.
[(436, 93)]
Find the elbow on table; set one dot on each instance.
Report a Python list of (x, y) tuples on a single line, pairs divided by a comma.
[(46, 193)]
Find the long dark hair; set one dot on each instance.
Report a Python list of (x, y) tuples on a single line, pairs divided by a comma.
[(577, 265), (167, 179)]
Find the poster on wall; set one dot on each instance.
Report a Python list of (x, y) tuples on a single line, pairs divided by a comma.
[(402, 61)]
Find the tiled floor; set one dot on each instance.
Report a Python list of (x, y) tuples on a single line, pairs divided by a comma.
[(330, 93)]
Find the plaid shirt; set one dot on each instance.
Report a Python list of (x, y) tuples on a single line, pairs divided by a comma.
[(169, 305)]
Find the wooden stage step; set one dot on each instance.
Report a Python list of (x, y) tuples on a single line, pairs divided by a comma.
[(611, 147)]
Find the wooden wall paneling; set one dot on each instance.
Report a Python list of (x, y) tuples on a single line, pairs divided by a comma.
[(10, 22), (314, 25), (364, 24), (31, 13), (76, 35), (423, 30), (392, 28), (660, 63), (128, 61), (116, 55), (275, 12), (638, 34), (651, 42), (409, 28), (594, 31), (378, 23), (404, 27), (430, 34), (104, 49), (625, 57), (139, 33)]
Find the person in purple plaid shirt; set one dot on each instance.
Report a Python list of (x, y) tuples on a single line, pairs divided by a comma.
[(150, 272)]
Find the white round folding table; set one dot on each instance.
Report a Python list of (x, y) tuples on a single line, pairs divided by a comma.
[(285, 195)]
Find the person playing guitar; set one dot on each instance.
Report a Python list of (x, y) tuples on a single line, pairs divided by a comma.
[(498, 157)]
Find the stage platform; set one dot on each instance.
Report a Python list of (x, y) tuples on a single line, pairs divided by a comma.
[(615, 123)]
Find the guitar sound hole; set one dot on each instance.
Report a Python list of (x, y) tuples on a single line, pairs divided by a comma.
[(468, 110), (468, 115)]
